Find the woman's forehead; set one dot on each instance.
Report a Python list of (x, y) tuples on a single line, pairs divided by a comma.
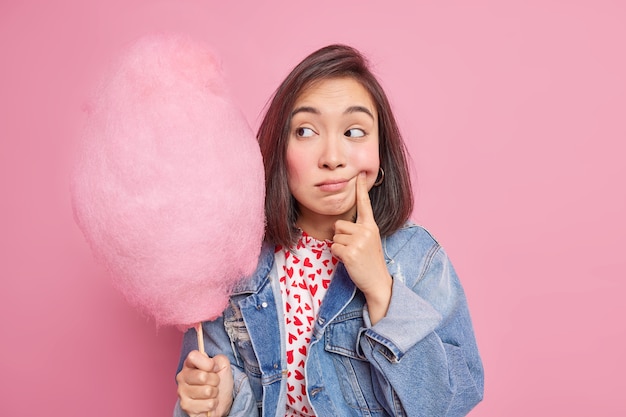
[(344, 93)]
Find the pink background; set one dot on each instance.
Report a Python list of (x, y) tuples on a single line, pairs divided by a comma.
[(515, 116)]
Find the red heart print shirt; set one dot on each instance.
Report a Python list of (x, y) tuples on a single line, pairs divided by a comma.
[(305, 272)]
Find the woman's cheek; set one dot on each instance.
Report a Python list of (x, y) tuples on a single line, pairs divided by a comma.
[(367, 159)]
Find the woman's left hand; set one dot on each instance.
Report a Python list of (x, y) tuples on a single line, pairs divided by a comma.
[(358, 246)]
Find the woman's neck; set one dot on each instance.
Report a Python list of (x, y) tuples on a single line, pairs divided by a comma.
[(321, 227), (319, 232)]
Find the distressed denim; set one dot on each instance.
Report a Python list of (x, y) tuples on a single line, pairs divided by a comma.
[(421, 359)]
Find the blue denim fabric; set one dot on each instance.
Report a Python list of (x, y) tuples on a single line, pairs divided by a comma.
[(421, 359)]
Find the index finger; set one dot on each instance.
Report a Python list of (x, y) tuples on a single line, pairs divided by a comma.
[(364, 211)]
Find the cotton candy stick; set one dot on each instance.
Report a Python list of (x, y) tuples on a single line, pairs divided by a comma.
[(200, 335), (168, 185)]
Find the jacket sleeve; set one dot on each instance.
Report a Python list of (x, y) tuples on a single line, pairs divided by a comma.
[(216, 341), (423, 353)]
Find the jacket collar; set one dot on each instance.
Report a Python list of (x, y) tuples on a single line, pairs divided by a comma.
[(255, 282)]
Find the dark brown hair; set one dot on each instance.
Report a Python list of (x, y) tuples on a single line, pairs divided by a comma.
[(392, 201)]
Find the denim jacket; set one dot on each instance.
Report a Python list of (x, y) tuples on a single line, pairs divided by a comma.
[(421, 359)]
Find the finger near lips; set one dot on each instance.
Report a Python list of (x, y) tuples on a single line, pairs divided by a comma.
[(363, 205), (345, 231)]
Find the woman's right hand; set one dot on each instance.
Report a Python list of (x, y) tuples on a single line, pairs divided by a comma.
[(205, 385)]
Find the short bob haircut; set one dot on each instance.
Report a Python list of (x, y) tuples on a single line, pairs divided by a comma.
[(392, 201)]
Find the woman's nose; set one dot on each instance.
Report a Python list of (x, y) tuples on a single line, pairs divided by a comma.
[(332, 154)]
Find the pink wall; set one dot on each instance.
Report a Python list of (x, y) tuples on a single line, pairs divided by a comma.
[(515, 115)]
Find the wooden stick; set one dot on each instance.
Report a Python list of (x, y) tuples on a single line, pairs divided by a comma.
[(200, 335), (200, 338)]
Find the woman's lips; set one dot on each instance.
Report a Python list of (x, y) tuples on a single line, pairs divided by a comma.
[(333, 185)]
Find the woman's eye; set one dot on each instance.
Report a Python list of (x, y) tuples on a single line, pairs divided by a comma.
[(304, 132), (354, 133)]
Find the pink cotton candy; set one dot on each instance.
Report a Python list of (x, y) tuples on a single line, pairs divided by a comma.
[(169, 185)]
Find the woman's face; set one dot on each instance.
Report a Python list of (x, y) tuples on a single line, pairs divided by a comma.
[(333, 137)]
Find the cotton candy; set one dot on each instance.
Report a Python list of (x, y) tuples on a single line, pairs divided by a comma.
[(168, 185)]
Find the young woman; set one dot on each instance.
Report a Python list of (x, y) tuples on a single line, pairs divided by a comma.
[(353, 310)]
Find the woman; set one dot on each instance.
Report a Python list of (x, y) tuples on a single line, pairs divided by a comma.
[(353, 310)]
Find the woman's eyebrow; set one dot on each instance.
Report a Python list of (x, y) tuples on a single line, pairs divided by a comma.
[(305, 109), (361, 109), (351, 109)]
